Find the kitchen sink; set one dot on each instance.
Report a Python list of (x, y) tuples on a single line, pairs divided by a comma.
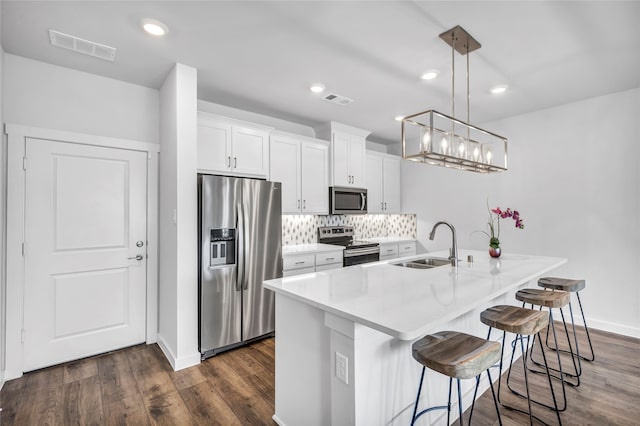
[(424, 263)]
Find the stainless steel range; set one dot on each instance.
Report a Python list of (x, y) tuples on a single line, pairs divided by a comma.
[(355, 252)]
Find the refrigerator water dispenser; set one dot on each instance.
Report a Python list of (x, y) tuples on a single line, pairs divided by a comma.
[(223, 247)]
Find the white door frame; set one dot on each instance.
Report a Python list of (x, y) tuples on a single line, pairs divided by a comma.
[(16, 145)]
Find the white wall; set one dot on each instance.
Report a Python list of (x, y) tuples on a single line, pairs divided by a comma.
[(178, 289), (49, 96), (3, 240), (574, 176)]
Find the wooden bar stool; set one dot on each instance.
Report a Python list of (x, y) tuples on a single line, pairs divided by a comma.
[(553, 299), (522, 322), (459, 356), (572, 286)]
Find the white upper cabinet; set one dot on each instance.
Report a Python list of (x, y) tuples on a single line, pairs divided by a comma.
[(348, 148), (374, 184), (315, 177), (231, 147), (302, 165), (285, 167), (383, 182)]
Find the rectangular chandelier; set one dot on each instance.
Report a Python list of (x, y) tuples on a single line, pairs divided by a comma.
[(439, 139), (435, 138)]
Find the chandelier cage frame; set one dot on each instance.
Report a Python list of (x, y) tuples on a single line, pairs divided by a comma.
[(439, 139)]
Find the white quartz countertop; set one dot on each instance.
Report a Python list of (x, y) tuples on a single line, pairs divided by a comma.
[(309, 248), (388, 240), (409, 303)]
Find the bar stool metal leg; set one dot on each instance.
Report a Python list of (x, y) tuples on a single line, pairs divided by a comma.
[(459, 356), (573, 286), (523, 323), (563, 375), (592, 355)]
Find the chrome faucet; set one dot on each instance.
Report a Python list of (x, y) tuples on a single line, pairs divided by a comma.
[(453, 252)]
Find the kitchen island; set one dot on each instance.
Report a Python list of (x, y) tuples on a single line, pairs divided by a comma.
[(343, 337)]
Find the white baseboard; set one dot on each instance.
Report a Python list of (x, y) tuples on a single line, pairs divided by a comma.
[(178, 363), (625, 330), (277, 420)]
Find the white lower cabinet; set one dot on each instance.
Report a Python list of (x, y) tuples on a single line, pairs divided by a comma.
[(395, 250), (407, 248), (297, 264), (328, 260), (388, 251)]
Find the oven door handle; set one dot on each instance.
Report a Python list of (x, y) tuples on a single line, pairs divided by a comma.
[(362, 251)]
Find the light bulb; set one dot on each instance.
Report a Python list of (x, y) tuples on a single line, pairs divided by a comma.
[(154, 27), (426, 141), (317, 88), (476, 153), (461, 149), (489, 155), (443, 144), (430, 75)]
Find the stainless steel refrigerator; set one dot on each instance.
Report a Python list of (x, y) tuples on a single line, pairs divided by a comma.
[(240, 226)]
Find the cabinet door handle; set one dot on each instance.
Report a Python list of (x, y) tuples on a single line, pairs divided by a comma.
[(385, 205), (298, 203), (381, 205), (304, 204), (228, 161), (235, 162)]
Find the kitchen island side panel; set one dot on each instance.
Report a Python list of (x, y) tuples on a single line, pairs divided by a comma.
[(302, 364)]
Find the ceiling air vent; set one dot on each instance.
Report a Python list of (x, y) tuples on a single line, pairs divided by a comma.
[(79, 45), (337, 99)]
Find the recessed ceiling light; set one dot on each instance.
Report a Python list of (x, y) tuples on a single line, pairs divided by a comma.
[(317, 88), (430, 75), (154, 27), (498, 89)]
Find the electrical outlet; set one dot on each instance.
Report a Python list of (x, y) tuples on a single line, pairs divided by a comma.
[(342, 368)]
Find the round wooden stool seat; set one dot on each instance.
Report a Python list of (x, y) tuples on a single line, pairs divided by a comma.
[(514, 319), (541, 297), (564, 284), (456, 354)]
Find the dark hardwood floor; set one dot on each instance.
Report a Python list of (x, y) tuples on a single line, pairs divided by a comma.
[(137, 386)]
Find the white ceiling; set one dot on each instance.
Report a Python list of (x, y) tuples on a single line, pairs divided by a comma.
[(262, 56)]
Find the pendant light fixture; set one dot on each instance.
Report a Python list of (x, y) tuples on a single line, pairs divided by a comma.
[(439, 139)]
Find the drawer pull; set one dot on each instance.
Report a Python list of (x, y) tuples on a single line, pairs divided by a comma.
[(301, 262), (330, 258), (389, 250)]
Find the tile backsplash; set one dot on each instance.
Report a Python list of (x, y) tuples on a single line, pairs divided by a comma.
[(303, 229)]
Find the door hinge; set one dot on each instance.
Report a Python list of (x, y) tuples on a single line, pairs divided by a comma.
[(24, 163), (22, 333)]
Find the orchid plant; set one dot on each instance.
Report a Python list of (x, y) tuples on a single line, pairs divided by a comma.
[(494, 223)]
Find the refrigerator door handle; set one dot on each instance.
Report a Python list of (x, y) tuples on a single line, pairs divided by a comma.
[(240, 224), (244, 284)]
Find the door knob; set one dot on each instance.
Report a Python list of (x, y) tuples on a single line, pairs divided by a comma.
[(139, 244), (137, 257)]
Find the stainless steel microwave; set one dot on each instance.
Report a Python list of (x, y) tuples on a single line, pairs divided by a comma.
[(344, 200)]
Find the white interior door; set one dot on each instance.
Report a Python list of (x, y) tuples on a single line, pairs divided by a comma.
[(85, 222)]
